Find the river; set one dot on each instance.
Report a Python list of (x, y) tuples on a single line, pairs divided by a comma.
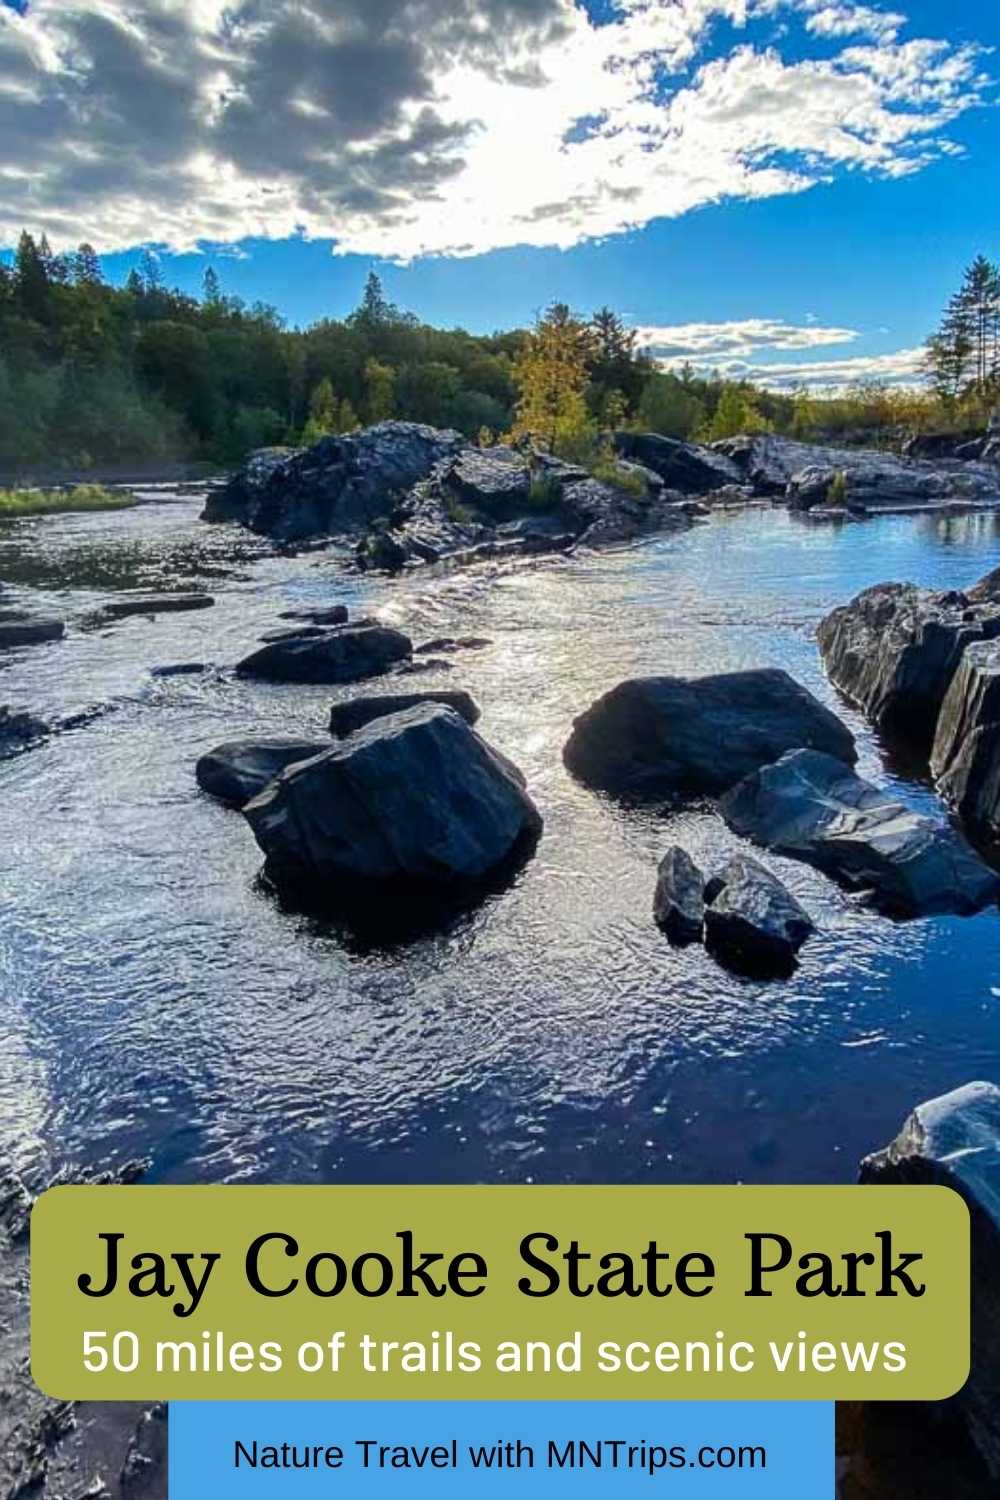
[(157, 1002)]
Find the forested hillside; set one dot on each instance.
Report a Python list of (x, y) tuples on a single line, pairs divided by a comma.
[(96, 375)]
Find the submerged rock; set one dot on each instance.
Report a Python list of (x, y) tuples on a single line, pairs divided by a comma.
[(335, 614), (954, 1141), (31, 630), (452, 643), (346, 653), (679, 901), (895, 649), (700, 734), (415, 798), (965, 760), (753, 923), (345, 718), (240, 769), (812, 807), (19, 730), (154, 604)]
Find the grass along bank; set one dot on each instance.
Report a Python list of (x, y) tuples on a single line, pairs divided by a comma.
[(82, 497)]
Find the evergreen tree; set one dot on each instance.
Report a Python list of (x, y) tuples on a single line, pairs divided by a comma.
[(964, 354), (211, 288), (87, 267), (32, 280), (150, 272)]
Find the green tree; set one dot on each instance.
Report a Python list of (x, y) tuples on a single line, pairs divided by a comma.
[(380, 391), (31, 279), (211, 288), (551, 375), (86, 267)]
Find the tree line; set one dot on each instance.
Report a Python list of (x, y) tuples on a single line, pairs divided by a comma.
[(93, 374)]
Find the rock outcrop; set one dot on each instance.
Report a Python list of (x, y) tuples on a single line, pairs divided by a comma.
[(753, 923), (954, 1141), (698, 735), (413, 799), (239, 770), (345, 653), (894, 649), (341, 484), (812, 807), (685, 467), (679, 899), (965, 760), (803, 473), (346, 718)]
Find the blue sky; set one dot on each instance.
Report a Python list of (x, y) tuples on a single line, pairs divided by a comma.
[(764, 185)]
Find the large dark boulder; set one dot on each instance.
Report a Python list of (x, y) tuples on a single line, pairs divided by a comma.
[(753, 923), (965, 760), (679, 899), (954, 1142), (812, 807), (346, 653), (154, 604), (698, 734), (416, 798), (685, 467), (346, 718), (341, 484), (30, 630), (895, 648), (240, 769)]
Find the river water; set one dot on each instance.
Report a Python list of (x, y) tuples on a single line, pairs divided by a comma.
[(156, 1002)]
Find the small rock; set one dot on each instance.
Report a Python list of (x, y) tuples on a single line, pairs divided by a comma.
[(452, 643), (240, 769), (753, 923), (346, 653), (345, 718), (153, 604), (336, 614), (19, 729), (31, 631), (679, 904), (180, 669)]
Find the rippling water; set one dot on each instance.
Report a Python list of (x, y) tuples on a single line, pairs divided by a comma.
[(154, 1001)]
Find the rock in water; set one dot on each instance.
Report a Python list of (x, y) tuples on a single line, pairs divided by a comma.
[(346, 718), (814, 808), (342, 483), (415, 799), (955, 1141), (895, 649), (31, 631), (679, 903), (700, 734), (153, 604), (239, 770), (19, 730), (335, 614), (753, 923), (965, 760), (346, 653)]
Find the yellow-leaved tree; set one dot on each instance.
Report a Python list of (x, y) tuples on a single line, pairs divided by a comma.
[(551, 374)]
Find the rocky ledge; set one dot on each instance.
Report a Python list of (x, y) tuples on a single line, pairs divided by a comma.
[(400, 493)]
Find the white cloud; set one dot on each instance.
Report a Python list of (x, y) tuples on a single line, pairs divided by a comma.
[(705, 343), (902, 368), (410, 127), (855, 20)]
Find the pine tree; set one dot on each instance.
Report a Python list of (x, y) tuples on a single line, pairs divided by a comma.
[(32, 279), (211, 288), (551, 374), (87, 267), (963, 356), (150, 272)]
